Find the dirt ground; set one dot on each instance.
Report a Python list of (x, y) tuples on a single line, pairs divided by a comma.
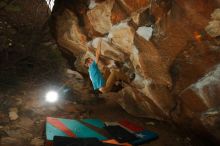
[(32, 110)]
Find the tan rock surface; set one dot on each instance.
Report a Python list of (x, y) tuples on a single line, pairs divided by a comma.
[(69, 34), (169, 67), (100, 16)]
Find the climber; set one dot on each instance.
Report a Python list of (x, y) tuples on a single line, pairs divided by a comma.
[(104, 81)]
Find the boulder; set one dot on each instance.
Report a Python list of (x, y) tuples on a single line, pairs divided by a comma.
[(174, 75), (199, 103), (100, 16), (203, 94), (138, 104), (118, 38), (160, 95), (69, 34), (213, 29), (208, 88), (216, 14), (138, 56), (108, 50), (150, 63)]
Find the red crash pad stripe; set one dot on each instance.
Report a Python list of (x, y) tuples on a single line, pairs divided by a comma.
[(59, 125), (48, 143), (130, 126)]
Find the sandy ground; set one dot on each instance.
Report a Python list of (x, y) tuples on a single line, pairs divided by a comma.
[(32, 110)]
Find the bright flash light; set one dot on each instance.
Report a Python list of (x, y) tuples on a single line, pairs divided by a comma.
[(51, 96), (50, 3)]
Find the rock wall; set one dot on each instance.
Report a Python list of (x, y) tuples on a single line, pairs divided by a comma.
[(171, 45)]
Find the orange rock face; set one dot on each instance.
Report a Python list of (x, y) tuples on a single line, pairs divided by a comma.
[(117, 14), (132, 5), (177, 67)]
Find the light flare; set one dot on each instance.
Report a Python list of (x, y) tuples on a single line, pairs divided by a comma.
[(51, 96)]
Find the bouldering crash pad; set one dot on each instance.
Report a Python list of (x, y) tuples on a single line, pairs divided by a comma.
[(122, 133)]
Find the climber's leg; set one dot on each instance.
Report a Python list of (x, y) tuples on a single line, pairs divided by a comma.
[(106, 73), (113, 77)]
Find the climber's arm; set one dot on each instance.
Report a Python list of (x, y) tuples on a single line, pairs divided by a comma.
[(98, 51)]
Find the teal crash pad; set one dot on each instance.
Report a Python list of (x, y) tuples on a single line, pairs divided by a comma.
[(73, 128)]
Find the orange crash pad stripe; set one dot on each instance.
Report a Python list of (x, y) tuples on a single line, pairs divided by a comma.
[(113, 141), (59, 125)]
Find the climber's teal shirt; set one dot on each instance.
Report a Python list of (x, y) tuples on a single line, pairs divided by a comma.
[(96, 76)]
